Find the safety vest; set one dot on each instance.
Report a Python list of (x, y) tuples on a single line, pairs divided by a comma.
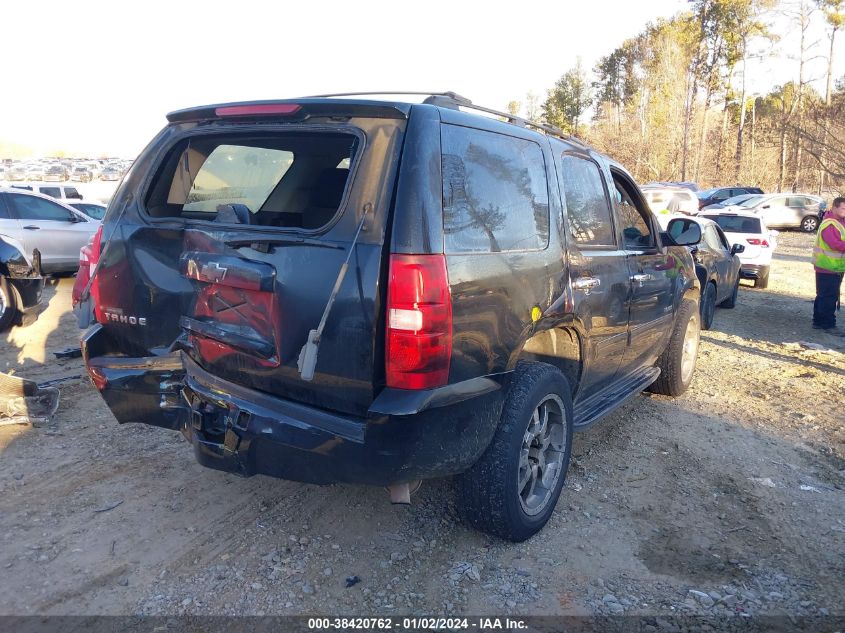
[(823, 255)]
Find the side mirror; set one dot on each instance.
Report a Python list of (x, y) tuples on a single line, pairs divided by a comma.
[(737, 248), (683, 232)]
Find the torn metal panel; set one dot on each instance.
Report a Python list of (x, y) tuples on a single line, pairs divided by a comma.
[(24, 402)]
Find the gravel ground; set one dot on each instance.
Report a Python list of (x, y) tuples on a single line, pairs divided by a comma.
[(726, 501)]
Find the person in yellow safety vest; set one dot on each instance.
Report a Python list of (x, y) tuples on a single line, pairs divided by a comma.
[(829, 263)]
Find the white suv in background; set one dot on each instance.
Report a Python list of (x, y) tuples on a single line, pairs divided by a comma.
[(63, 193), (748, 229)]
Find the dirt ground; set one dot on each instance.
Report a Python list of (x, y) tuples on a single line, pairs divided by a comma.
[(728, 500)]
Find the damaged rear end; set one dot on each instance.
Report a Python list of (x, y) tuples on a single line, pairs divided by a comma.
[(218, 255)]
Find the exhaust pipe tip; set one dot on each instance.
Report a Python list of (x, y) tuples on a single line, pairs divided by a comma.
[(400, 494)]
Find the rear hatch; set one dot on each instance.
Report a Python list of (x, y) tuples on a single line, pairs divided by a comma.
[(229, 233), (740, 229)]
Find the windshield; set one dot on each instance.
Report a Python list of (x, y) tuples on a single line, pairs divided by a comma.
[(738, 199), (752, 201), (705, 194)]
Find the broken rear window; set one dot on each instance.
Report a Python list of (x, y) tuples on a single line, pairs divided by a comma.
[(291, 180)]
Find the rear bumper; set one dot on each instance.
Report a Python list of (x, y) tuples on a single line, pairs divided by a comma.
[(753, 271), (247, 432), (29, 292)]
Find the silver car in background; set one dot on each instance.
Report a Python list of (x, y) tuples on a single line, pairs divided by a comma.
[(55, 229), (786, 210)]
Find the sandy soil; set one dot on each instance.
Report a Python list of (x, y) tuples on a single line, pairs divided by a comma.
[(728, 500)]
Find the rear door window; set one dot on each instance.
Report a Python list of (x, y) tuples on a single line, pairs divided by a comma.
[(290, 180), (33, 208), (587, 206), (495, 193), (53, 192)]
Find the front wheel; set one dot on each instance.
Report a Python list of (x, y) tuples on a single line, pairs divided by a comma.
[(512, 490), (810, 223), (677, 362)]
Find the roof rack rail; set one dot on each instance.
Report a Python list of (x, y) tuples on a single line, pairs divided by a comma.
[(453, 100)]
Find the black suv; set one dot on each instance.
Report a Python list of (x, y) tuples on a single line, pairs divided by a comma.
[(347, 290), (720, 194)]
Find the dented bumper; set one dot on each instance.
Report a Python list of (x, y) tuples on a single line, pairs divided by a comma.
[(248, 432)]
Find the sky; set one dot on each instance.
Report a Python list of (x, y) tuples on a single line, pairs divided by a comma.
[(99, 77)]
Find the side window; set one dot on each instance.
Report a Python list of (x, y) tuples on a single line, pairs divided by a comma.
[(726, 245), (71, 192), (53, 192), (587, 208), (635, 229), (4, 212), (32, 208), (712, 239), (495, 194)]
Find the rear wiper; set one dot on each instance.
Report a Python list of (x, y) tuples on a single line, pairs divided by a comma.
[(263, 244), (307, 361)]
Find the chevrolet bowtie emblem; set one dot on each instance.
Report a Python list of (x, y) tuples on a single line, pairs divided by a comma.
[(212, 271)]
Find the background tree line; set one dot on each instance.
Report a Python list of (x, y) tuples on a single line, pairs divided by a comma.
[(672, 103)]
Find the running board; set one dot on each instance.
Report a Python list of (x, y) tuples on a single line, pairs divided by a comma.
[(594, 408)]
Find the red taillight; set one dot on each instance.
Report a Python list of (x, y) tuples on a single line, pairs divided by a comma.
[(252, 110), (419, 322), (755, 242), (93, 258)]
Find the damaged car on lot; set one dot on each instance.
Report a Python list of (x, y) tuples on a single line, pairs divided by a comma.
[(21, 283), (381, 292)]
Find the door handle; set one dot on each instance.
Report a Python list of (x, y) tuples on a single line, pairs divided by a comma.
[(586, 284), (641, 278), (32, 227)]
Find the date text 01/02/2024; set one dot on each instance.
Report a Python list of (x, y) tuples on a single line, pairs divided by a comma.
[(416, 624)]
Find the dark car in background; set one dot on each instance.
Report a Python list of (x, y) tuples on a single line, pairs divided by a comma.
[(717, 266), (21, 283), (56, 173), (720, 194), (507, 284), (736, 201)]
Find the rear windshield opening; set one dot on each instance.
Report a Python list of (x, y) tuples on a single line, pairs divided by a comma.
[(291, 180), (737, 224)]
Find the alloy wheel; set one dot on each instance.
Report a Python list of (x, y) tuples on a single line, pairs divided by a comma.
[(541, 455)]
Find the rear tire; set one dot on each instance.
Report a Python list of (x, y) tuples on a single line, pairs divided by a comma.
[(708, 306), (730, 302), (8, 305), (762, 282), (810, 223), (512, 490), (677, 362)]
